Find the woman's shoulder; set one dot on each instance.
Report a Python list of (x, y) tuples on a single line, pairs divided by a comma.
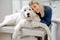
[(47, 11), (47, 8)]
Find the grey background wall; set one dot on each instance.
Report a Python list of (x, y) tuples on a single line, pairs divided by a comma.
[(16, 5), (5, 8)]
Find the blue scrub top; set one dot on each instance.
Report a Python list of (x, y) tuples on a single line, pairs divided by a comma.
[(47, 16)]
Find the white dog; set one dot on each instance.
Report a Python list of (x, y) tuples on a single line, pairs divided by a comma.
[(25, 18)]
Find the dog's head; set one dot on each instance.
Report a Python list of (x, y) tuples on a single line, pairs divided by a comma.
[(28, 12)]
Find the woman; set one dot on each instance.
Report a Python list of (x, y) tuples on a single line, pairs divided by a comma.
[(44, 12)]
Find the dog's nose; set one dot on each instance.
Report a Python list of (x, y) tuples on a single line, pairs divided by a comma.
[(28, 13)]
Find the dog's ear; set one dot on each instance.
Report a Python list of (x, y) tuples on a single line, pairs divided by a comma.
[(22, 11)]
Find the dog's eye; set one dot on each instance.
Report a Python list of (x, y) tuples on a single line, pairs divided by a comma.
[(24, 10), (29, 9)]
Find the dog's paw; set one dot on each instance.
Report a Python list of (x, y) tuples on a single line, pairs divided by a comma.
[(14, 36)]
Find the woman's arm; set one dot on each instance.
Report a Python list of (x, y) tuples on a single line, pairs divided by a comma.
[(48, 15)]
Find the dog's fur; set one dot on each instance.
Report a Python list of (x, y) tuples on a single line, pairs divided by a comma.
[(25, 18)]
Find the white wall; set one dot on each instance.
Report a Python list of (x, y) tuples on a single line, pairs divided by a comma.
[(56, 13), (5, 8), (24, 3), (15, 5)]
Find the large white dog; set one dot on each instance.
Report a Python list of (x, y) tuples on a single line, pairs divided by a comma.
[(24, 18)]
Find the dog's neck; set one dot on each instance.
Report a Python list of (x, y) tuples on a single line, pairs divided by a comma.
[(33, 19)]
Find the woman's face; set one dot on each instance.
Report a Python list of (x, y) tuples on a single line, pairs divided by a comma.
[(35, 8)]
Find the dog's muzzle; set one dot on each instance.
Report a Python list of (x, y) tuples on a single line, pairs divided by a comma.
[(28, 14)]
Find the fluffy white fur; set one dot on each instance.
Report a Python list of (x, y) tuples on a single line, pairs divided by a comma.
[(24, 18)]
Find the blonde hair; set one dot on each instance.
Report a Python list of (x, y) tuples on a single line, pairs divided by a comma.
[(40, 6)]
